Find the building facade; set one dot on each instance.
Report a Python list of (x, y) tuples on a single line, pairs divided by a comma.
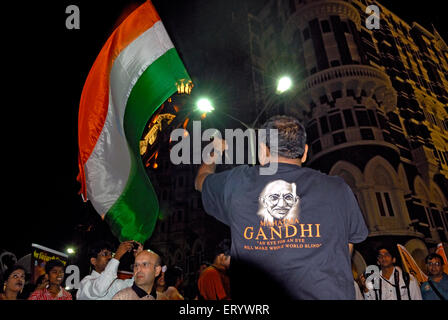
[(375, 106)]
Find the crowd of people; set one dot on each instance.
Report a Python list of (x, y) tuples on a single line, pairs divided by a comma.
[(293, 232), (151, 279), (154, 281)]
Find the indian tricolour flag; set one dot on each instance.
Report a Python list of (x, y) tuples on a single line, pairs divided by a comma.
[(135, 72)]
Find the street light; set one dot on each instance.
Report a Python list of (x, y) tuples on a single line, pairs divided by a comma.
[(205, 105), (284, 84), (70, 250)]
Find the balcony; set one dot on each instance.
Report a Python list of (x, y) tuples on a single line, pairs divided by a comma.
[(355, 77)]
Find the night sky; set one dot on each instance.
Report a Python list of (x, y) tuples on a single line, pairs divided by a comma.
[(45, 67)]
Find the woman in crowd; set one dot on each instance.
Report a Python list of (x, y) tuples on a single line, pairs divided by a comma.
[(13, 283)]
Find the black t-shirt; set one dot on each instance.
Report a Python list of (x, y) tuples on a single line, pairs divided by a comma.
[(290, 231)]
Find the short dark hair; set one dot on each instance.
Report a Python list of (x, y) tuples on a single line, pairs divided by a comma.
[(97, 247), (389, 249), (172, 274), (223, 247), (53, 263), (434, 256), (291, 136)]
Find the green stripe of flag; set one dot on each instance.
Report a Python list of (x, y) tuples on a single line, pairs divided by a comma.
[(134, 214)]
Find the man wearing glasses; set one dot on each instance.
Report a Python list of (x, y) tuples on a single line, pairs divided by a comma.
[(436, 288), (394, 284), (102, 283), (146, 267)]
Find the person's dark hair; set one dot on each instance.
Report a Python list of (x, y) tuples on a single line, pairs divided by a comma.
[(434, 256), (53, 263), (172, 274), (291, 136), (389, 249), (97, 247), (223, 247), (9, 271)]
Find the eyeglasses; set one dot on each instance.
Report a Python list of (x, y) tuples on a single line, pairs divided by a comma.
[(275, 198), (437, 264), (143, 265)]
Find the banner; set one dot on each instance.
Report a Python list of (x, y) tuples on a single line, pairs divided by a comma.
[(410, 265), (441, 252), (40, 255)]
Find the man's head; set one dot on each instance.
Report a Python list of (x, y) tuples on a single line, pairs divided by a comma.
[(385, 257), (434, 263), (291, 138), (222, 254), (100, 254), (174, 276), (147, 266), (55, 271), (278, 198)]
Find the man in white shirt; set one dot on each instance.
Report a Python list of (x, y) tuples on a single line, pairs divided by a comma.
[(394, 284), (102, 283)]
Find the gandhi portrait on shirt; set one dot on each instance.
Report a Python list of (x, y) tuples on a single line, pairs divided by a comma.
[(279, 201)]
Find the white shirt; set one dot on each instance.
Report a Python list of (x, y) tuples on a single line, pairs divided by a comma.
[(388, 289), (104, 285)]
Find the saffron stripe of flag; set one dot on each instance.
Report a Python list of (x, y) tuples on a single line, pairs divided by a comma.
[(410, 265), (134, 73)]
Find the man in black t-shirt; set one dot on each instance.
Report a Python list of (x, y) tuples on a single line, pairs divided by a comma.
[(291, 231)]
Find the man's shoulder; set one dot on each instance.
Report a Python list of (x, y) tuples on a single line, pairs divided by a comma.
[(210, 272), (124, 294)]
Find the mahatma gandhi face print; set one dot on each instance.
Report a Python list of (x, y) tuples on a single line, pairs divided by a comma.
[(279, 201)]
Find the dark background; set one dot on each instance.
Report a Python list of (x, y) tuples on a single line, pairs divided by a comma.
[(44, 70)]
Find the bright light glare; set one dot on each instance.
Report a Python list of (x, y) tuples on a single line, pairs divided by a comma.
[(284, 84), (70, 250), (204, 105)]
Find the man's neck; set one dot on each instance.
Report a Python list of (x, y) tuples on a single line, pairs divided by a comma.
[(387, 271), (296, 162), (54, 289), (146, 288), (219, 266), (437, 278)]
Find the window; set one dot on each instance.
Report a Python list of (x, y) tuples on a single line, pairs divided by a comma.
[(325, 26), (362, 117), (384, 204), (312, 132), (336, 122), (348, 116), (372, 118), (339, 138), (323, 125), (367, 134)]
